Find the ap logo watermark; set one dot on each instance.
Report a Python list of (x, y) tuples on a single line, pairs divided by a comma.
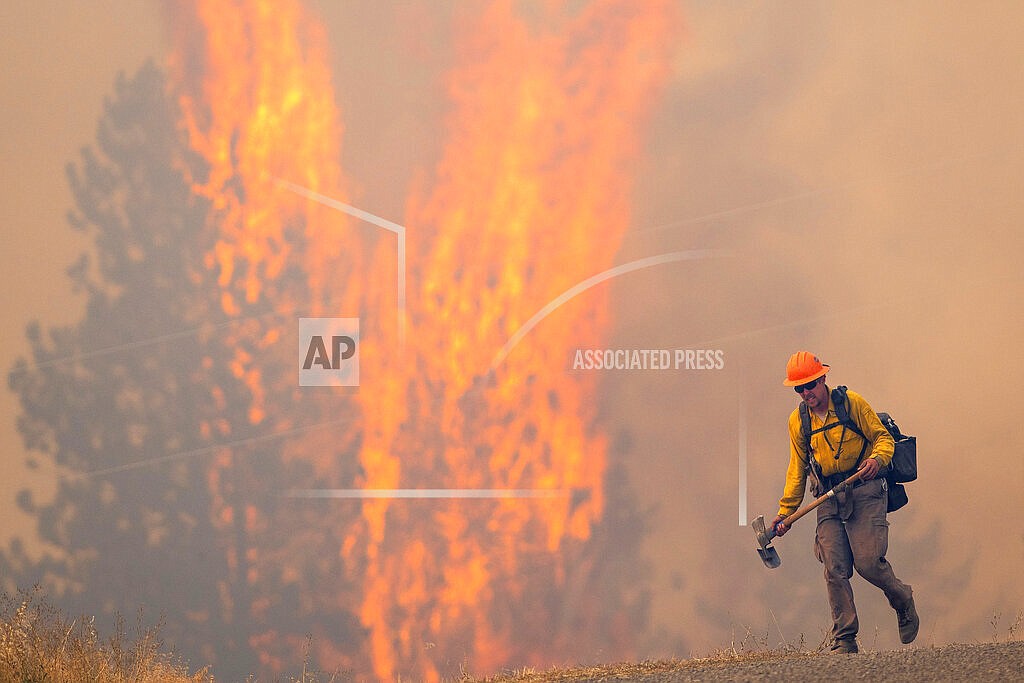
[(328, 352)]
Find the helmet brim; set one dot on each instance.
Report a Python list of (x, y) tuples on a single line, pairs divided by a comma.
[(797, 382)]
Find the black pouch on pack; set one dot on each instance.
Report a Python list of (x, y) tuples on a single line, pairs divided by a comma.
[(904, 460), (903, 467), (897, 495)]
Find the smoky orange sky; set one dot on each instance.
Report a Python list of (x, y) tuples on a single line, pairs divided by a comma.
[(859, 162)]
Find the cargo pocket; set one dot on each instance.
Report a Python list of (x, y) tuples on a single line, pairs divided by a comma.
[(818, 552), (880, 537)]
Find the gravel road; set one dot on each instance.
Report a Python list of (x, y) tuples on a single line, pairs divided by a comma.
[(975, 663), (1002, 662)]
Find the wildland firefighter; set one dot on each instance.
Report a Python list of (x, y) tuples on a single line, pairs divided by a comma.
[(852, 531)]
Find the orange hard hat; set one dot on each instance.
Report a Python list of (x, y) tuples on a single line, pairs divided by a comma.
[(803, 366)]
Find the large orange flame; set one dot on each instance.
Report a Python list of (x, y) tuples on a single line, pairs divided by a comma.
[(259, 107), (531, 197)]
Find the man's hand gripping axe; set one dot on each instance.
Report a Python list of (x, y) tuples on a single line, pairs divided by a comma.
[(769, 555)]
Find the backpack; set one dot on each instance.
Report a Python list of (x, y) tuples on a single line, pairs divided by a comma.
[(902, 468)]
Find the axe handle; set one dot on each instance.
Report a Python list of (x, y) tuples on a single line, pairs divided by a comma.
[(842, 486)]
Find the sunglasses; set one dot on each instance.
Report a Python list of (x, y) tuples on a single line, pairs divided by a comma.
[(806, 387)]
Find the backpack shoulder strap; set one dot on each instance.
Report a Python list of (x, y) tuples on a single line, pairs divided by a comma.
[(841, 403), (805, 433), (805, 427)]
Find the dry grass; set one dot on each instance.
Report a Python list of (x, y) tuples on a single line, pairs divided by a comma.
[(1014, 630), (38, 645)]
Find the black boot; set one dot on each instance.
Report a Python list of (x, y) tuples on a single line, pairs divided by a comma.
[(908, 622), (845, 646)]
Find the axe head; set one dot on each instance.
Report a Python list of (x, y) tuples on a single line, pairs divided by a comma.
[(764, 537)]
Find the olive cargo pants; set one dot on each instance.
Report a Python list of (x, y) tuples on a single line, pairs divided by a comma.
[(853, 534)]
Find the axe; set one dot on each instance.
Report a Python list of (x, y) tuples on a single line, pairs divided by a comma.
[(769, 555)]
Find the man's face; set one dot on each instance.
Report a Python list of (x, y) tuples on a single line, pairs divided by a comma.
[(816, 397)]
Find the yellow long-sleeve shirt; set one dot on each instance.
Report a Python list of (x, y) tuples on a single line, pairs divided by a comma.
[(825, 446)]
